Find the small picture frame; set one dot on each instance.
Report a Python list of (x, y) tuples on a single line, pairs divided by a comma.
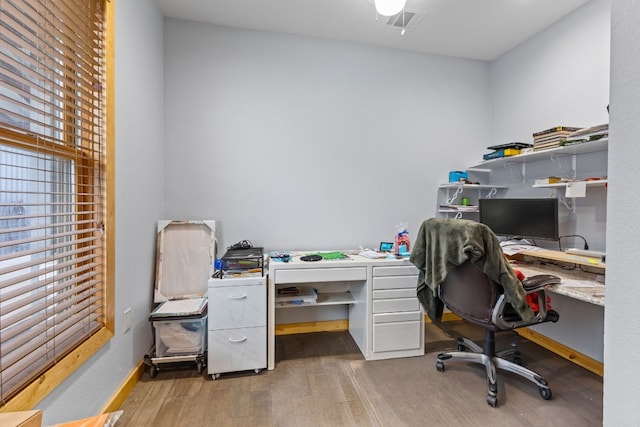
[(386, 246)]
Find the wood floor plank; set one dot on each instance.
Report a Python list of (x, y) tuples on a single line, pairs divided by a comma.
[(321, 379)]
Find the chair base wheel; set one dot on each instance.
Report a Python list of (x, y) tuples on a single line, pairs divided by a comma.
[(545, 393), (492, 401)]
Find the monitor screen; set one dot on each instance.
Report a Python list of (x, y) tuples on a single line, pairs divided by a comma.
[(521, 218)]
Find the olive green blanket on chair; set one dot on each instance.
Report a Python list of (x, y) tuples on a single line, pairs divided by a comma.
[(443, 244)]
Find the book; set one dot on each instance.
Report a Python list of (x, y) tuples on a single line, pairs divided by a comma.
[(495, 155), (548, 145), (547, 180), (552, 142), (555, 135), (305, 295), (505, 152), (516, 145), (556, 129), (551, 137)]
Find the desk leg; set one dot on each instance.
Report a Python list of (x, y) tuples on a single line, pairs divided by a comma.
[(271, 324)]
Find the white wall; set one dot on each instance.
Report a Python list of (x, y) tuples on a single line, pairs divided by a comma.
[(622, 323), (560, 77), (302, 143), (139, 204)]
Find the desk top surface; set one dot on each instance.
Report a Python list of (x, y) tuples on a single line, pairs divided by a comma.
[(566, 258), (579, 279), (351, 260), (575, 283)]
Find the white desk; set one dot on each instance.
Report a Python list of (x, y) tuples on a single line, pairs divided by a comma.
[(386, 319)]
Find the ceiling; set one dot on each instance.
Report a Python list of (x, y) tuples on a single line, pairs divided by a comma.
[(476, 29)]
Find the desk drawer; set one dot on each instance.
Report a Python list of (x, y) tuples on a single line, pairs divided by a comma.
[(394, 293), (237, 281), (237, 350), (405, 316), (395, 282), (393, 305), (399, 270), (396, 336), (310, 275), (237, 307)]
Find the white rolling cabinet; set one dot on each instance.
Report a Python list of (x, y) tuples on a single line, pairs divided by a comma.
[(397, 316), (237, 325)]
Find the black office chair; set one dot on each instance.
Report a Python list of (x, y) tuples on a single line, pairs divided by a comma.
[(470, 294), (466, 254)]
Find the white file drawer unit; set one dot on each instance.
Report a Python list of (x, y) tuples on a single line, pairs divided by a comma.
[(237, 326), (397, 315)]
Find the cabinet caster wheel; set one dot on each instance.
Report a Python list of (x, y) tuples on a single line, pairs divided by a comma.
[(153, 371), (257, 371), (492, 401), (545, 393), (215, 376), (199, 367), (440, 366)]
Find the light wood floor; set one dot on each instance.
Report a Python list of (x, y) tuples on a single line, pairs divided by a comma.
[(314, 385)]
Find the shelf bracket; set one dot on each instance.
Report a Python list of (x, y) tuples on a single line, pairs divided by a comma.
[(562, 199), (455, 196), (492, 192), (571, 173)]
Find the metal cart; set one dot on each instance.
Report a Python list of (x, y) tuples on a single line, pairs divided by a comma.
[(178, 340), (185, 259)]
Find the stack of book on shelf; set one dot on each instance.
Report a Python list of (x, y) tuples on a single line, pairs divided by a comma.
[(551, 138), (593, 133), (505, 150), (295, 295)]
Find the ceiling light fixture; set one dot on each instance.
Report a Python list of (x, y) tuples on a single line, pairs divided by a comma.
[(389, 7)]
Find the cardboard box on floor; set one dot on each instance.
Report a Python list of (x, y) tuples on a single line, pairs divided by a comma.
[(108, 419), (21, 419)]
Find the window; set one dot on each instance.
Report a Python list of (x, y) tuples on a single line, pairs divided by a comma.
[(55, 279)]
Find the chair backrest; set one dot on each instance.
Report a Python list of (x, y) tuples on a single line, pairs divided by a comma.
[(469, 293)]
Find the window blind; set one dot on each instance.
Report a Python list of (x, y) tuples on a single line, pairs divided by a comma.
[(52, 183)]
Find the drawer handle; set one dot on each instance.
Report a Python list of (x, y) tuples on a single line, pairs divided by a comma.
[(243, 339), (238, 297)]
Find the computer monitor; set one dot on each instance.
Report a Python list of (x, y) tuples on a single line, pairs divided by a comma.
[(521, 218)]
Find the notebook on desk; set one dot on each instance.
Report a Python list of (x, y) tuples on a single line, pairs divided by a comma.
[(512, 247)]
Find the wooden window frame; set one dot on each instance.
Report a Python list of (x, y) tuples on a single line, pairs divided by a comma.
[(29, 397)]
